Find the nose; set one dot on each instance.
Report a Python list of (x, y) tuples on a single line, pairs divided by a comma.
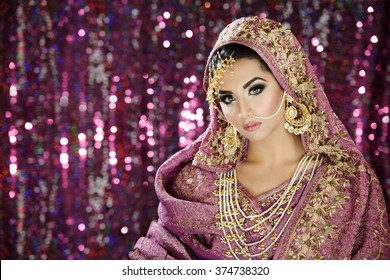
[(245, 111)]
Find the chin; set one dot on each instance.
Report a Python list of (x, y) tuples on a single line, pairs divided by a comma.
[(251, 137)]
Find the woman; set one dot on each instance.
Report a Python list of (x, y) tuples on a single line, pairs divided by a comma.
[(275, 175)]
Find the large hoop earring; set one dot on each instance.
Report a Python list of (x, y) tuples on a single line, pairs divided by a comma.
[(230, 141), (298, 119)]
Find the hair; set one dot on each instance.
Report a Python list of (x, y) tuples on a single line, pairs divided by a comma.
[(239, 51)]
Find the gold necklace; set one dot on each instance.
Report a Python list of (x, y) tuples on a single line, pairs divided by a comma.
[(232, 216)]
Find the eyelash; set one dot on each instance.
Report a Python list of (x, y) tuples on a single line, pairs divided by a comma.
[(224, 99), (228, 98), (257, 87)]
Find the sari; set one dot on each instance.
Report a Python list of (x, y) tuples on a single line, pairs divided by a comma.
[(336, 212)]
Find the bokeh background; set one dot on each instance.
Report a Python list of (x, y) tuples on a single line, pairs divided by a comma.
[(95, 95)]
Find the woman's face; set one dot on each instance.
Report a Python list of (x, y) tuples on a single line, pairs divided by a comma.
[(246, 90)]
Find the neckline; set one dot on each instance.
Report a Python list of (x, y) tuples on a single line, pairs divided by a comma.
[(268, 193)]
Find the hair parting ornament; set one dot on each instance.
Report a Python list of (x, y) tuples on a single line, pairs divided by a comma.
[(216, 79)]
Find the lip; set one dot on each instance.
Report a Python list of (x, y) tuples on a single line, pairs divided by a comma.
[(251, 126)]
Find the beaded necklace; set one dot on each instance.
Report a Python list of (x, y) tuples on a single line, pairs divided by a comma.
[(232, 216)]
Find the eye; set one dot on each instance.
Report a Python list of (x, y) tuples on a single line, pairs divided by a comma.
[(256, 90), (226, 99)]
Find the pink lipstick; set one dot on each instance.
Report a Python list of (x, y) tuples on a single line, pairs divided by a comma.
[(251, 126)]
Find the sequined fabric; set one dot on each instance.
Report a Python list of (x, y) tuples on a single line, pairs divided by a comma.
[(341, 214)]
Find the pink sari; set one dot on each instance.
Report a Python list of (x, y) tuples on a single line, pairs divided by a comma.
[(340, 214)]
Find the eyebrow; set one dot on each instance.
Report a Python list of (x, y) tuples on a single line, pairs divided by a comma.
[(245, 86), (251, 81)]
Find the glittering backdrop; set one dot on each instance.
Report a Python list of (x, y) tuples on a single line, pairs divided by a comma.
[(95, 95)]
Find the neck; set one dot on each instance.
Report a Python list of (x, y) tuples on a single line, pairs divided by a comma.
[(283, 148)]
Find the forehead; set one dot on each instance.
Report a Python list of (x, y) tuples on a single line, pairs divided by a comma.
[(247, 63), (243, 70)]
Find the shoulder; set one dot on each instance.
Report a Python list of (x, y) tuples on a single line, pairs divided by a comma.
[(351, 182), (193, 183), (354, 170)]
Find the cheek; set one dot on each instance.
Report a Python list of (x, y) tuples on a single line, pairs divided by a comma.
[(271, 103), (229, 113)]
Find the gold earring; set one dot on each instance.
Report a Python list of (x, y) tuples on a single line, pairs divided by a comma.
[(230, 141), (297, 122)]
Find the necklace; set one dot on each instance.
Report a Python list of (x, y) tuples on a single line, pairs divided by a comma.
[(232, 217)]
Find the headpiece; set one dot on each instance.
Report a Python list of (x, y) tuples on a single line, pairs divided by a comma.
[(216, 74)]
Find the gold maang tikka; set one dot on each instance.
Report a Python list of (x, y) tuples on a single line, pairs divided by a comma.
[(216, 79)]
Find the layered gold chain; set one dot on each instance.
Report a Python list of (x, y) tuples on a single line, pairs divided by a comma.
[(231, 217)]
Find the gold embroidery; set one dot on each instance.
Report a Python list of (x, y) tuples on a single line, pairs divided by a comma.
[(232, 237), (231, 224), (228, 254), (315, 229), (242, 251)]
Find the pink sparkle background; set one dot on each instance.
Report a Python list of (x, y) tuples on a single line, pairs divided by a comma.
[(95, 95)]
